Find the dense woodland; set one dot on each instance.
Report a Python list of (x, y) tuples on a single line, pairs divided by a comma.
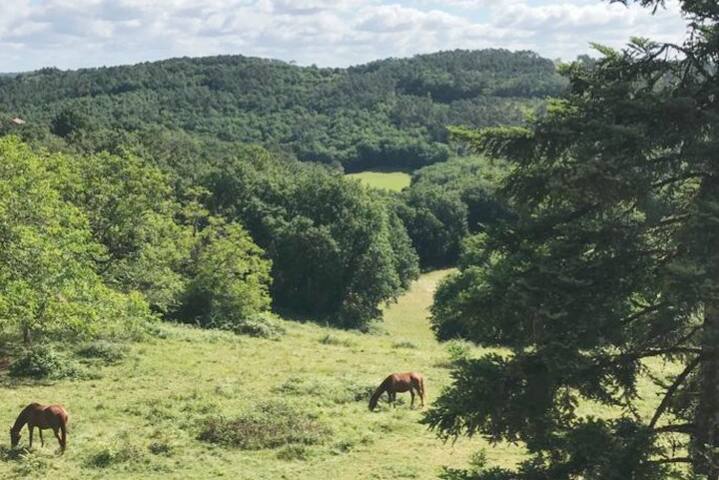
[(392, 113), (191, 198)]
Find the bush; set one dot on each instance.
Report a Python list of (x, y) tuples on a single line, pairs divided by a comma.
[(268, 425), (111, 455), (294, 452), (159, 447), (108, 352), (459, 350), (43, 362), (262, 325)]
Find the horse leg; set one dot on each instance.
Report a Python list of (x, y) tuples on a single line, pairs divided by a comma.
[(42, 440), (31, 430), (411, 403), (59, 440)]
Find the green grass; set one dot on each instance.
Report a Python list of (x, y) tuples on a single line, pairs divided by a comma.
[(394, 181), (146, 415)]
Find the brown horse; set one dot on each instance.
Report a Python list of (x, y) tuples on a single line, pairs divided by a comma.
[(399, 383), (42, 417)]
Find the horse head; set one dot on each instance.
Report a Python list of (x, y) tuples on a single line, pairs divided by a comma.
[(14, 437)]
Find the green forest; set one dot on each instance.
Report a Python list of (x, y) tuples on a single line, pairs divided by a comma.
[(214, 262), (389, 113)]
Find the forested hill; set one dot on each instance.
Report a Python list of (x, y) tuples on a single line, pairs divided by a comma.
[(390, 113)]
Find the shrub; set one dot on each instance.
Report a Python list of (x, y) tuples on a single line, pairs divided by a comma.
[(108, 352), (268, 425), (159, 447), (294, 452), (110, 455), (43, 362), (459, 350), (262, 325)]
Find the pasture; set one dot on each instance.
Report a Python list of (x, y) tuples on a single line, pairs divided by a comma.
[(394, 181), (143, 416)]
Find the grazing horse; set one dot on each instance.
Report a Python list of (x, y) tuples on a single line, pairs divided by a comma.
[(42, 417), (399, 383)]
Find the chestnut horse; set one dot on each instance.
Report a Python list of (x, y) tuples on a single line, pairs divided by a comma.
[(399, 383), (42, 417)]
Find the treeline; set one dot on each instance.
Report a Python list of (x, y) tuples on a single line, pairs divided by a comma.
[(448, 202), (103, 243), (390, 113)]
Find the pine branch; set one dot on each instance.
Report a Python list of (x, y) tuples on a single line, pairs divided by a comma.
[(645, 311), (673, 460), (672, 390), (687, 428)]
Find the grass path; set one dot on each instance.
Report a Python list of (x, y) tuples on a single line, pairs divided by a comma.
[(140, 418)]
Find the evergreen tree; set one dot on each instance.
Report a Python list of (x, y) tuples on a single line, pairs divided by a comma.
[(611, 263)]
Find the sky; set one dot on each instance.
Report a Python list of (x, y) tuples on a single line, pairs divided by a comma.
[(70, 34)]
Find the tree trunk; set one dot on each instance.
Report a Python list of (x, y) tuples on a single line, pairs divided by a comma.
[(26, 336), (705, 457), (704, 447)]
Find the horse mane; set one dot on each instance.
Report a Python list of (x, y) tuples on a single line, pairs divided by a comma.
[(22, 417), (380, 390)]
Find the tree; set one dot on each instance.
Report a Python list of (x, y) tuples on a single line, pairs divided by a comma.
[(337, 251), (230, 278), (48, 282), (612, 260), (132, 213)]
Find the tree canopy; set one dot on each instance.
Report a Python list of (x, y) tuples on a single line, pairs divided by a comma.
[(390, 113), (610, 260)]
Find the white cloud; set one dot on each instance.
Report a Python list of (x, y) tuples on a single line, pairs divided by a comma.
[(75, 33)]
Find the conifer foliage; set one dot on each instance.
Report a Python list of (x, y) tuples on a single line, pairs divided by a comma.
[(610, 263)]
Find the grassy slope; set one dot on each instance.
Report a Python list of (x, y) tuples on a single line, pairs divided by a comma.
[(166, 386), (394, 181), (161, 391)]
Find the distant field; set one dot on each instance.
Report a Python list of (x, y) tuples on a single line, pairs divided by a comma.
[(394, 181), (141, 417)]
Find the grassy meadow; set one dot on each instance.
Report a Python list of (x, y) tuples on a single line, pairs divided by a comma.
[(141, 417), (394, 181)]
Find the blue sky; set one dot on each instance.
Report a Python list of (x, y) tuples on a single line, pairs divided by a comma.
[(88, 33)]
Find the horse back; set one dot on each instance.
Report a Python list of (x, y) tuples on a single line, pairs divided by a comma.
[(48, 416)]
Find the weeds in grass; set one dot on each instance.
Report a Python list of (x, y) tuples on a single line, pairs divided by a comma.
[(107, 352), (327, 390), (404, 344), (294, 452), (120, 453), (160, 447), (268, 425), (332, 340)]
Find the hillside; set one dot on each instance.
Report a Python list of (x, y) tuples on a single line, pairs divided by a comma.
[(389, 113), (141, 417), (155, 399)]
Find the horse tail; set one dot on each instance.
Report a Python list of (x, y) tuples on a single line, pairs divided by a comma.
[(384, 386)]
